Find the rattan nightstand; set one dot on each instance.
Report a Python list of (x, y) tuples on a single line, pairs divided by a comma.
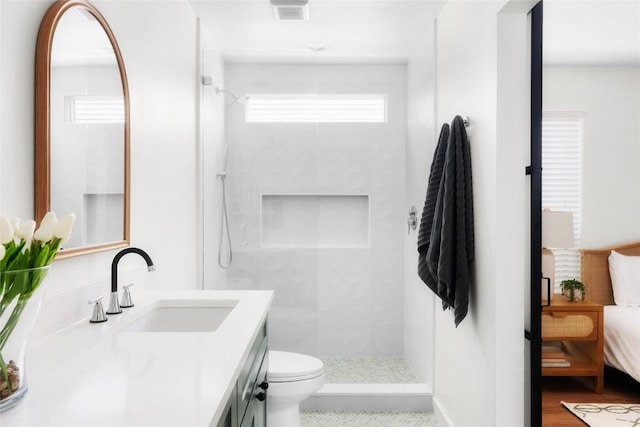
[(578, 328)]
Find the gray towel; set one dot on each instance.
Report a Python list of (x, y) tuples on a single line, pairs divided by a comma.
[(450, 245)]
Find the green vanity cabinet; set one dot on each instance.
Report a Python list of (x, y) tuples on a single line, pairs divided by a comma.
[(247, 405), (229, 417), (256, 412)]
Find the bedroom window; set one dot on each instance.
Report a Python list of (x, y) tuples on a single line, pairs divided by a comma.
[(327, 108), (562, 182)]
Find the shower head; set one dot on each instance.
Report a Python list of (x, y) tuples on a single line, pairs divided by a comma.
[(236, 99)]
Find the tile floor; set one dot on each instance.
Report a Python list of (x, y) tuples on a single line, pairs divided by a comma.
[(368, 370), (367, 419)]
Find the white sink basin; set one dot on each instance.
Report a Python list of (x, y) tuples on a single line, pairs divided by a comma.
[(183, 316)]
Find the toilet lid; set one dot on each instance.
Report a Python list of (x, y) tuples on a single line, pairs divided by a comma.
[(285, 367)]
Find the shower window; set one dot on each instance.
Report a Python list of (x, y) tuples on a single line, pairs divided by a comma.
[(343, 108), (86, 109)]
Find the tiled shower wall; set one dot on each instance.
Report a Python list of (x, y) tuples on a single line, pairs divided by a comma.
[(337, 301)]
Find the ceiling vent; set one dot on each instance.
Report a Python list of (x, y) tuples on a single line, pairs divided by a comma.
[(290, 10)]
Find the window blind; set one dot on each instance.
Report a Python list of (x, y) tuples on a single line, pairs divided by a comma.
[(343, 108), (97, 109), (562, 183)]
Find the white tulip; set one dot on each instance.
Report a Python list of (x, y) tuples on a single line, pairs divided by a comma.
[(26, 230), (64, 226), (6, 231), (15, 224), (45, 232), (2, 252)]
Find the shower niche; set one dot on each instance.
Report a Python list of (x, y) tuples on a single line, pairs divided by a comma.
[(314, 221)]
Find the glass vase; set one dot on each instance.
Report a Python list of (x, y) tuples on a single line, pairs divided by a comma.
[(21, 293)]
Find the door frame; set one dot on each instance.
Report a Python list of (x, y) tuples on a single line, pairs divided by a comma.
[(534, 335)]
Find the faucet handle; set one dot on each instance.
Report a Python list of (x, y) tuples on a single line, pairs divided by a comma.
[(98, 313), (126, 297)]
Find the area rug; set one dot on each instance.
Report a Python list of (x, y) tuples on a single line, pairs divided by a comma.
[(606, 414)]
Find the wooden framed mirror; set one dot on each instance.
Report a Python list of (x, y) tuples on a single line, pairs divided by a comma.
[(82, 127)]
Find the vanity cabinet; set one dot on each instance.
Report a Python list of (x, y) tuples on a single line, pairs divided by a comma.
[(229, 417), (256, 412), (247, 405)]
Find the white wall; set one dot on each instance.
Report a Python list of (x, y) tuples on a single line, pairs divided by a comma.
[(20, 23), (421, 142), (340, 301), (609, 97), (482, 73), (158, 44)]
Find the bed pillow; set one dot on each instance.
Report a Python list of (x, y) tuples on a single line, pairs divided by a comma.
[(625, 278)]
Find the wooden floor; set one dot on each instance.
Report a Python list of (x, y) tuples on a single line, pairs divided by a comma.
[(618, 388)]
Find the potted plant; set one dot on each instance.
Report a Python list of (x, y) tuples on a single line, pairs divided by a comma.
[(573, 289)]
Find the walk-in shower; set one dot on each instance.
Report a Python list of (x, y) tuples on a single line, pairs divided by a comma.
[(317, 200), (327, 156)]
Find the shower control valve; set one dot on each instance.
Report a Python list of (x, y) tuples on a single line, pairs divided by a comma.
[(412, 221)]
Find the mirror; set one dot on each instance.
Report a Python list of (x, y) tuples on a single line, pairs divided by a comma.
[(82, 127)]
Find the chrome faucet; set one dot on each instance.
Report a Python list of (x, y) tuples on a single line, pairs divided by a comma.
[(114, 307)]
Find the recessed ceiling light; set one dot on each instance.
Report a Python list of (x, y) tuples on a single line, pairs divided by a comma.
[(317, 47)]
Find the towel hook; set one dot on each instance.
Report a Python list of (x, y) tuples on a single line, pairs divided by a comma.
[(466, 121)]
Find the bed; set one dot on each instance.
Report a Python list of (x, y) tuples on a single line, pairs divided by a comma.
[(621, 321)]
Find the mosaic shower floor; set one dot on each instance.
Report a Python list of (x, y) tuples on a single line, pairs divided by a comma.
[(367, 419), (368, 370)]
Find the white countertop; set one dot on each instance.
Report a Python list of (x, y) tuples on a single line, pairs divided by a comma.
[(94, 375)]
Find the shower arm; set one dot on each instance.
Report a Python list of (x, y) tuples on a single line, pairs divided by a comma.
[(235, 98)]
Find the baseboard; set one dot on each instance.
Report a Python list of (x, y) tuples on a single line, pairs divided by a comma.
[(443, 419), (370, 397)]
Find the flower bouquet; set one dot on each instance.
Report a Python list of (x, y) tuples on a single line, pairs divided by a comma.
[(25, 255)]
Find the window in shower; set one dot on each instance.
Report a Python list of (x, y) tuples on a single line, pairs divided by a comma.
[(329, 108), (85, 109), (314, 221)]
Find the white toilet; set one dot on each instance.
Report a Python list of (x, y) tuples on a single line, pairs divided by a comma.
[(292, 378)]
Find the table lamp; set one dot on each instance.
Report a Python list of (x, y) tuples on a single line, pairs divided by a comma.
[(557, 233)]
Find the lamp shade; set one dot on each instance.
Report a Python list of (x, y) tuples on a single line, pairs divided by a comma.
[(557, 229)]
